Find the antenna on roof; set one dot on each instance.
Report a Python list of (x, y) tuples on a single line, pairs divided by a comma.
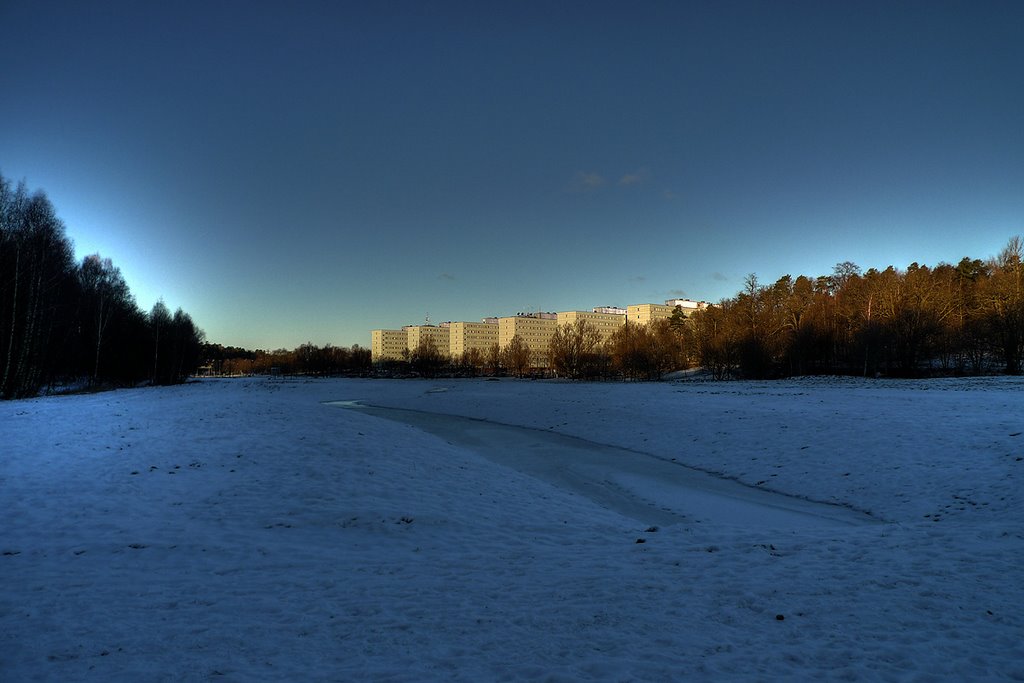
[(427, 319)]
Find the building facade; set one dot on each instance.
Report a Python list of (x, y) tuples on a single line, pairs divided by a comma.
[(418, 334), (645, 314), (688, 305), (387, 344), (464, 337), (605, 323), (535, 329), (609, 309)]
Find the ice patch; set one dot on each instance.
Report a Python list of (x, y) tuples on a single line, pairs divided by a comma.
[(645, 487)]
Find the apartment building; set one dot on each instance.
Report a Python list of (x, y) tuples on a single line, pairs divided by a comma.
[(466, 336), (535, 329), (417, 334), (688, 305), (645, 314), (387, 344), (605, 323), (609, 309)]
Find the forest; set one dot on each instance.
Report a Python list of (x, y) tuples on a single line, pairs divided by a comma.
[(963, 319), (67, 325)]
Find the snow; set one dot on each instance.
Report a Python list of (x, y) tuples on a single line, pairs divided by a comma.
[(239, 530)]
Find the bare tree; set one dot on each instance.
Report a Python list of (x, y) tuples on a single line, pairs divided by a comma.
[(717, 339), (493, 359), (516, 356), (426, 358), (159, 322), (574, 347), (633, 352), (35, 266), (187, 342), (1004, 304), (104, 290)]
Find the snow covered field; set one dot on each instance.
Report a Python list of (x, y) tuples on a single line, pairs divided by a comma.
[(239, 530)]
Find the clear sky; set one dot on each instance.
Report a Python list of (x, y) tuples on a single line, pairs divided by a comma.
[(291, 172)]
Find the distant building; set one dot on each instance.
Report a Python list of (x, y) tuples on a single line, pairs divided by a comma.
[(688, 305), (535, 329), (387, 344), (417, 334), (606, 323), (645, 314), (466, 336), (609, 309)]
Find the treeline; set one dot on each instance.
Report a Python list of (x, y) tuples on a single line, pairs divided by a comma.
[(958, 319), (307, 359), (963, 319), (64, 323)]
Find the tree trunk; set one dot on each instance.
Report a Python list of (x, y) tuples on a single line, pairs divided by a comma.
[(156, 351), (99, 341), (14, 308)]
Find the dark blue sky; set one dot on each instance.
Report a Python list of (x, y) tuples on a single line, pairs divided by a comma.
[(308, 173)]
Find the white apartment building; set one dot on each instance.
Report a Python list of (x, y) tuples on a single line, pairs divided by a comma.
[(688, 305)]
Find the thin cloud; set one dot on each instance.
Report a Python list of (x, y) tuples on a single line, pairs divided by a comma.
[(638, 279), (719, 277), (587, 181), (676, 294), (638, 177), (446, 276)]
